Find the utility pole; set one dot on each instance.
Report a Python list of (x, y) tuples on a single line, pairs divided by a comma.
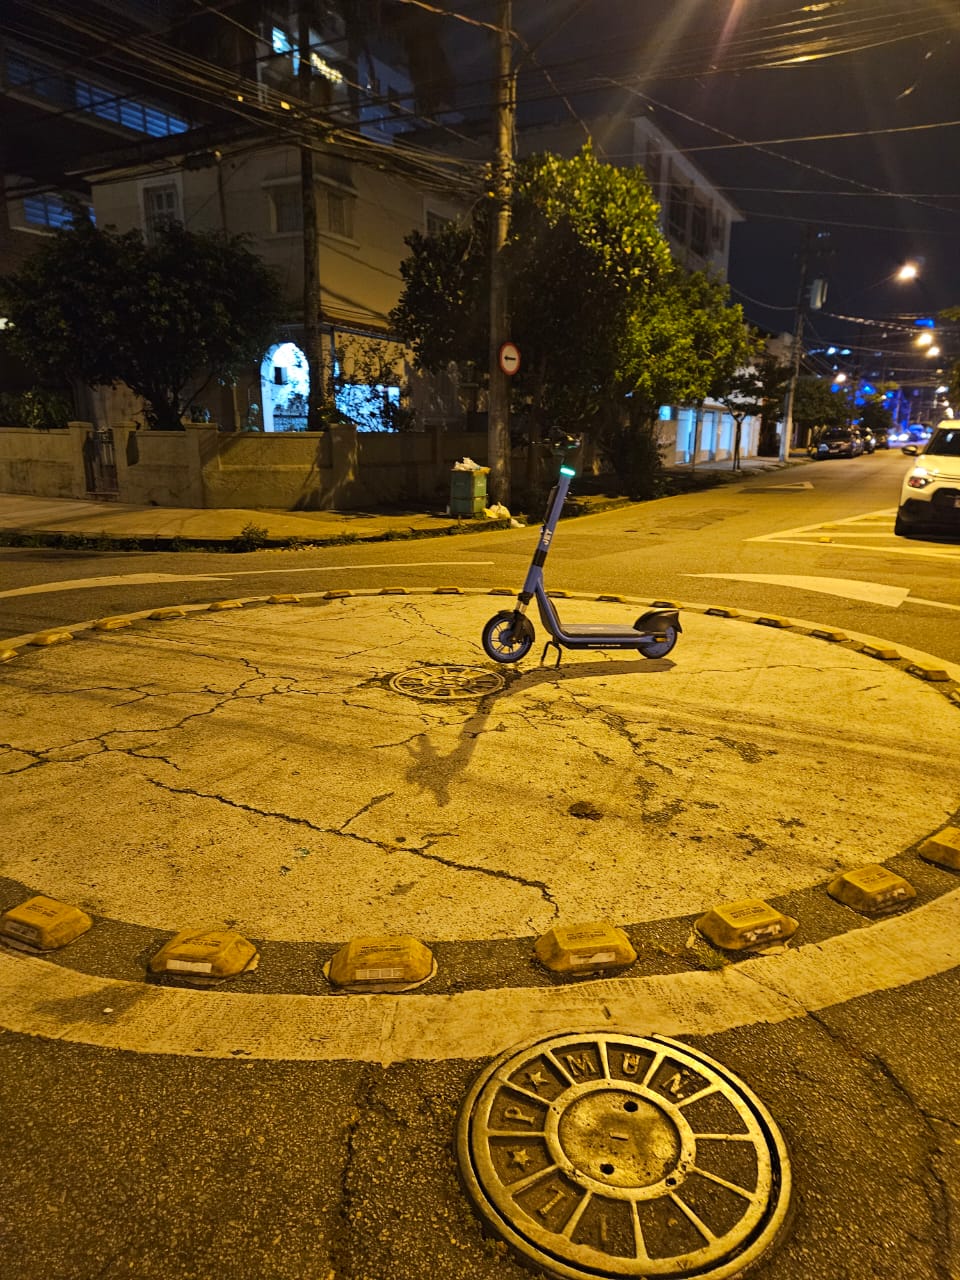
[(311, 243), (796, 349), (498, 396)]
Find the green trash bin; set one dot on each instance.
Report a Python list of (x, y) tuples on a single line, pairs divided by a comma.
[(468, 492)]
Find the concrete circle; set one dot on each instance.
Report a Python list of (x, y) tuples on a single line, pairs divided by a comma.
[(253, 768)]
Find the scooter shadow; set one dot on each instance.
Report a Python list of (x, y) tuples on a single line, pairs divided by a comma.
[(550, 673)]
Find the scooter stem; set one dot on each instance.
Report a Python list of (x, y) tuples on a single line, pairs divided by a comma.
[(555, 503)]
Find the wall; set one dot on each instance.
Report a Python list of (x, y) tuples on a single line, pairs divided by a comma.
[(38, 462)]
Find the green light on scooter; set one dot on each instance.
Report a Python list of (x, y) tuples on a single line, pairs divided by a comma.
[(567, 471)]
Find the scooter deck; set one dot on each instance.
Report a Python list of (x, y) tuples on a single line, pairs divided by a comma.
[(616, 634)]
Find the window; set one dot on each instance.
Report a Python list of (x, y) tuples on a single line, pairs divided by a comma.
[(287, 209), (339, 214), (60, 87), (437, 222), (698, 229), (653, 166), (46, 212), (677, 212), (161, 205), (719, 230)]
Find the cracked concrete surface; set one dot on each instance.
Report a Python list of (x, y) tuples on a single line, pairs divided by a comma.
[(254, 765)]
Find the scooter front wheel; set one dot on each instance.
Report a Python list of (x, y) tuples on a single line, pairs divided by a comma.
[(660, 648), (507, 637)]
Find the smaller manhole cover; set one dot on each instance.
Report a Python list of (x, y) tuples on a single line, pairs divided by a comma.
[(446, 683), (602, 1155)]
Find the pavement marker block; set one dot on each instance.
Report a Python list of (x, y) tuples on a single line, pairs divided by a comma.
[(394, 963), (395, 591), (824, 539), (112, 624), (168, 614), (336, 595), (612, 599), (928, 673), (718, 611), (885, 652), (503, 591), (447, 591), (828, 633), (554, 595), (584, 948), (873, 890), (773, 620), (43, 924), (7, 654), (666, 604), (205, 955), (745, 924), (943, 848), (283, 599), (225, 604), (43, 638)]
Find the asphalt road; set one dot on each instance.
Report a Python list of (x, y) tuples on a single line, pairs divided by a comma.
[(134, 1161)]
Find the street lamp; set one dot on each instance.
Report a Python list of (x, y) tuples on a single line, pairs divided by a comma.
[(909, 271)]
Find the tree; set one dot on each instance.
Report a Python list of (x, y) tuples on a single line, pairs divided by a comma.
[(609, 328), (166, 318), (876, 415), (743, 397), (774, 380), (816, 405)]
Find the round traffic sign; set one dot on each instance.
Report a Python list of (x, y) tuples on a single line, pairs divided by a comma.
[(509, 358)]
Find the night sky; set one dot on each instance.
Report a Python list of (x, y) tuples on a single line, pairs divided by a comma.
[(705, 69)]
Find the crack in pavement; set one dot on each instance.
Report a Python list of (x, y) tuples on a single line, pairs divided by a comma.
[(387, 847)]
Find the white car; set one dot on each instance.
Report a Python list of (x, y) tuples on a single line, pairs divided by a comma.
[(930, 493)]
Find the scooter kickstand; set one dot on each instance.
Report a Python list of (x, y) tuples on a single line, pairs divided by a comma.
[(543, 655)]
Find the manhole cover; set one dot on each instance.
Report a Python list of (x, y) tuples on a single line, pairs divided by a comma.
[(444, 683), (601, 1155)]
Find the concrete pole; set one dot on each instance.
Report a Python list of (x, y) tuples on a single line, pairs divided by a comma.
[(797, 348), (498, 397), (311, 241)]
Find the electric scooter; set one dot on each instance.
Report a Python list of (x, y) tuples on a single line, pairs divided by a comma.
[(508, 635)]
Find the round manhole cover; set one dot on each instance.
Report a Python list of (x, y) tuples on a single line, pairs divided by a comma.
[(447, 682), (602, 1155)]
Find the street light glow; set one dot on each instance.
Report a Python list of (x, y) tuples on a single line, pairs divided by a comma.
[(908, 271), (925, 339)]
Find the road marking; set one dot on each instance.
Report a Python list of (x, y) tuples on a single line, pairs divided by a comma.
[(847, 588), (771, 488), (148, 579), (38, 998), (871, 531)]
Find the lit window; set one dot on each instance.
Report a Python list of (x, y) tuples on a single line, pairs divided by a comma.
[(339, 214), (46, 211)]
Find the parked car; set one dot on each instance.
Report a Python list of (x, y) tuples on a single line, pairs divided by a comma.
[(882, 437), (837, 442), (868, 438), (930, 493)]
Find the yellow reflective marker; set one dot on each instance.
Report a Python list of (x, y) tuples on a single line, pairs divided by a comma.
[(167, 615), (584, 948), (283, 599), (205, 955), (51, 637), (390, 964), (43, 924), (773, 620), (885, 652), (7, 654), (336, 595), (746, 924), (225, 604), (111, 624), (928, 673), (872, 890), (718, 611), (828, 633), (943, 848)]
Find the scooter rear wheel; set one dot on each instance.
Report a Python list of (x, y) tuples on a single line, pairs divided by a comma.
[(507, 637), (660, 648)]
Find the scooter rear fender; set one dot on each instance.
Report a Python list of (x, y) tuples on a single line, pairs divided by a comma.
[(655, 620)]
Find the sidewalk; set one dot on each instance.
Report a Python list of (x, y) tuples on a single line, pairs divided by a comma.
[(28, 520)]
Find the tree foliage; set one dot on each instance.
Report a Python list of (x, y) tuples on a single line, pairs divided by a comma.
[(164, 318), (816, 405), (608, 326)]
